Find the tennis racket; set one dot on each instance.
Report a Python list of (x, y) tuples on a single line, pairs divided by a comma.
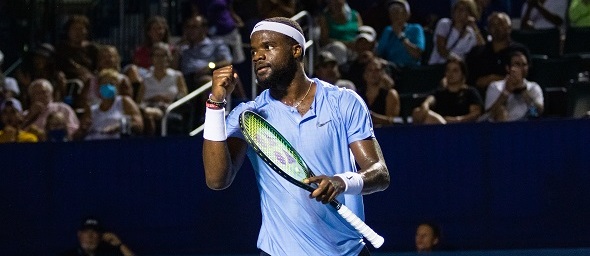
[(278, 153)]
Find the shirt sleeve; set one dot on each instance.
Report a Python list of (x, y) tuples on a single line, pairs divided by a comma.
[(416, 36), (356, 117), (492, 94)]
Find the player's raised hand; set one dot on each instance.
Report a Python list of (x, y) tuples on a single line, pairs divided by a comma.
[(224, 82)]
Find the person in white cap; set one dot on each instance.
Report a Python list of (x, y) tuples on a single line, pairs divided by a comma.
[(327, 125), (9, 90)]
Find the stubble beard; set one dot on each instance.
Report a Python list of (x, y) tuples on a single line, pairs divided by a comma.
[(280, 77)]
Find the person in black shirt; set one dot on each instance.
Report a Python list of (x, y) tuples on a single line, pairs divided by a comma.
[(455, 103), (94, 241)]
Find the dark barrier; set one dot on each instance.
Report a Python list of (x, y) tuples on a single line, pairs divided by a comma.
[(490, 186)]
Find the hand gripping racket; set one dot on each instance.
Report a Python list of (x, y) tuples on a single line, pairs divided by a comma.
[(278, 153)]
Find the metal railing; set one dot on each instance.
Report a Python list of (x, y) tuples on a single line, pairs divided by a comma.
[(309, 47)]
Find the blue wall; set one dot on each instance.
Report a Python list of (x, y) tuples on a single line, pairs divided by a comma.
[(490, 186)]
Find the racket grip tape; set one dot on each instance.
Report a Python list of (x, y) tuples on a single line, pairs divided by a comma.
[(360, 226)]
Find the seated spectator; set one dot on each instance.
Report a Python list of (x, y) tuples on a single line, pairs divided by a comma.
[(162, 86), (109, 118), (276, 8), (514, 98), (456, 36), (339, 23), (42, 104), (12, 119), (363, 51), (486, 63), (455, 103), (9, 90), (199, 54), (543, 14), (94, 240), (579, 13), (427, 237), (108, 58), (156, 30), (224, 26), (76, 55), (326, 69), (401, 43), (40, 63), (377, 91), (56, 129), (486, 8)]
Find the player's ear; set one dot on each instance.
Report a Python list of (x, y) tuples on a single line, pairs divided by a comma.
[(297, 51)]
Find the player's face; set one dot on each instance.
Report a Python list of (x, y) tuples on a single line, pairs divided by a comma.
[(274, 62)]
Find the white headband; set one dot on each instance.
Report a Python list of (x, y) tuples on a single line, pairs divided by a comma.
[(281, 28)]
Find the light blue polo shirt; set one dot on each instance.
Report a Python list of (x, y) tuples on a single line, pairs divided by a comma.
[(292, 223)]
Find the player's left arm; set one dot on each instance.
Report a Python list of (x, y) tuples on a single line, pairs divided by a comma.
[(373, 169)]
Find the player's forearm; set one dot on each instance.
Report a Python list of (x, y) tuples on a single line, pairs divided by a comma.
[(218, 165)]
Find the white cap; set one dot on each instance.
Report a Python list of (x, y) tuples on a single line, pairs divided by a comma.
[(367, 32)]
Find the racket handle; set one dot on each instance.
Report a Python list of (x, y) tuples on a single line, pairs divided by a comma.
[(360, 226)]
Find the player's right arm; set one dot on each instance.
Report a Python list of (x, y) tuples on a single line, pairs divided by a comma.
[(222, 159)]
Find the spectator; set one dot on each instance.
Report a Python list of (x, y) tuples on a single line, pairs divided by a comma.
[(76, 55), (109, 58), (383, 101), (488, 7), (401, 43), (276, 8), (9, 89), (224, 25), (93, 240), (363, 51), (200, 54), (543, 14), (56, 128), (109, 118), (514, 98), (42, 104), (486, 63), (12, 119), (427, 237), (156, 30), (40, 63), (339, 23), (162, 86), (579, 13), (327, 69), (456, 36), (455, 103)]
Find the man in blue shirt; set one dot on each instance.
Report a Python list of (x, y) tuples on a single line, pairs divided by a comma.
[(329, 126)]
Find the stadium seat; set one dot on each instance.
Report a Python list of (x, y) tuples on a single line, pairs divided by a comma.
[(578, 99), (539, 41), (577, 40), (554, 72), (420, 79)]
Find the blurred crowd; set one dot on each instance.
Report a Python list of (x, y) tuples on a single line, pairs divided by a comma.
[(436, 70)]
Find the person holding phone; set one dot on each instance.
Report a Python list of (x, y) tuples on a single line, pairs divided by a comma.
[(514, 98), (94, 240), (456, 36)]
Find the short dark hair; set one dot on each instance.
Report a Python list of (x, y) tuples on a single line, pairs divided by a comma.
[(459, 61)]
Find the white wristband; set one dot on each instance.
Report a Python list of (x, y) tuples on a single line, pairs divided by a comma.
[(353, 181), (214, 125)]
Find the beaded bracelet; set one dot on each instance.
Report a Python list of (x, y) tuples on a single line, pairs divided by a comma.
[(215, 104)]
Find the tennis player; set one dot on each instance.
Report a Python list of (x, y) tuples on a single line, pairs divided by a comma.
[(329, 126)]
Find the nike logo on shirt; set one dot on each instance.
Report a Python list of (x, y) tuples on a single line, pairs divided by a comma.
[(324, 123)]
